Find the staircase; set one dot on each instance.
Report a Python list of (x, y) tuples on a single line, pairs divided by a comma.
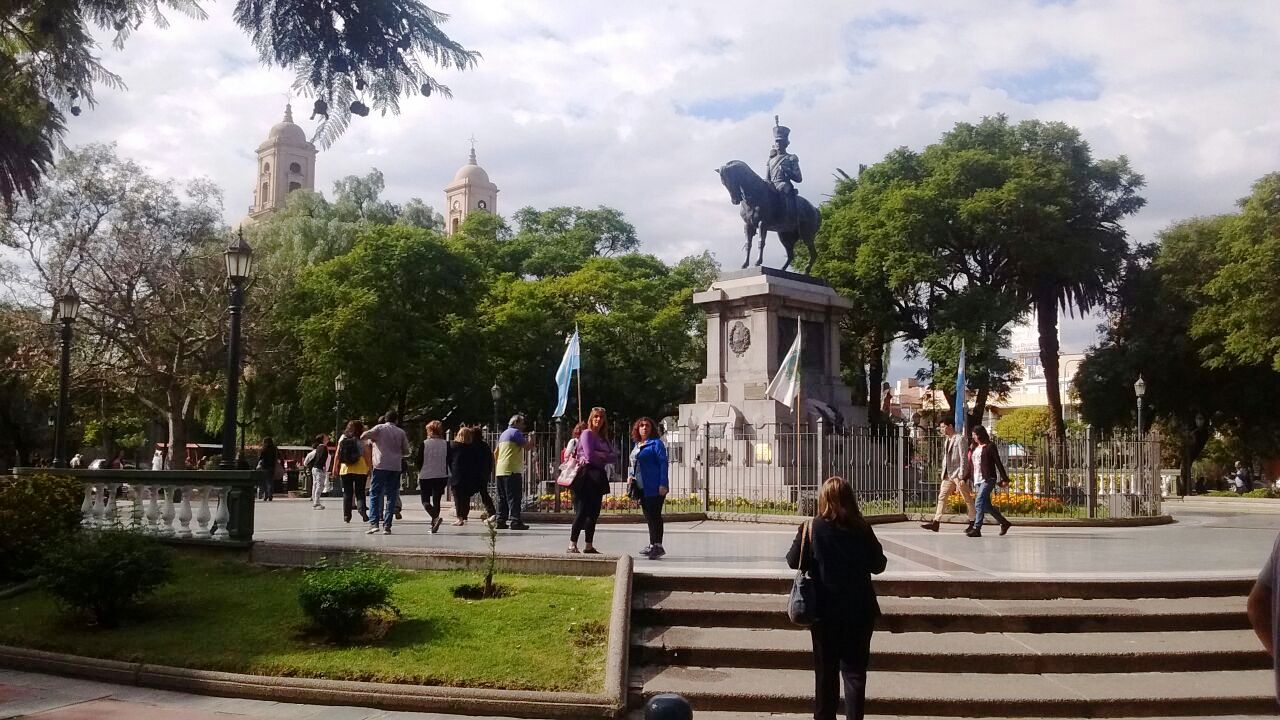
[(952, 649)]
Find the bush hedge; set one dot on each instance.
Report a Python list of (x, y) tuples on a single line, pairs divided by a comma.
[(35, 511), (104, 572), (338, 601)]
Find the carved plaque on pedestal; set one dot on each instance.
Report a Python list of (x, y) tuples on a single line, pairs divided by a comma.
[(753, 391), (707, 394)]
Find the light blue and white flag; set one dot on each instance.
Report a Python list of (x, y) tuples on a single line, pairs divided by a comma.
[(571, 361), (786, 383), (960, 392)]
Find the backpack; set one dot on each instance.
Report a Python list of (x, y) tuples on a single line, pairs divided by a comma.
[(348, 451)]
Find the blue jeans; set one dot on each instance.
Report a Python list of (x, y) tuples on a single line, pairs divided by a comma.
[(984, 505), (384, 496)]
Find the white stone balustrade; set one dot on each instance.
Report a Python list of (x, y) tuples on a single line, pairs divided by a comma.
[(164, 503)]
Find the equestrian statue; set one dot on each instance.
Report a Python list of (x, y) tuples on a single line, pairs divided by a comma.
[(773, 204)]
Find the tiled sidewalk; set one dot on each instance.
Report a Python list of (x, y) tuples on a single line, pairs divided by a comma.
[(48, 697)]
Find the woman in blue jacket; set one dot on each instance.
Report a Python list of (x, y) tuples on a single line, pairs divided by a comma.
[(649, 473)]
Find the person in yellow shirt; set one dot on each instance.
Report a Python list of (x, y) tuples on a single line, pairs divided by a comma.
[(351, 462)]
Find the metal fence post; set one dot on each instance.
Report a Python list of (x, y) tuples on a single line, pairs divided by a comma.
[(1090, 475), (706, 467), (821, 460), (901, 440)]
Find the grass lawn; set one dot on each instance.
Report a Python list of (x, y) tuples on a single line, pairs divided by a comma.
[(549, 634)]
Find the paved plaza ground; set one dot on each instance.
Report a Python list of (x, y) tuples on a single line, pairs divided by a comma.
[(1208, 540), (1217, 540)]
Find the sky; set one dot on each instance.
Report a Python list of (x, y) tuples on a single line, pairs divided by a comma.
[(633, 105)]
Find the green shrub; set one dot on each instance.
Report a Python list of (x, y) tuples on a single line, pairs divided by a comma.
[(339, 601), (1259, 493), (35, 511), (104, 572)]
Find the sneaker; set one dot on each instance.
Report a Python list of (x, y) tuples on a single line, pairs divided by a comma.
[(657, 552), (489, 520), (386, 531), (347, 519), (974, 532), (398, 515), (372, 531), (591, 551), (931, 525), (459, 522), (435, 524), (517, 525), (1004, 527), (317, 506), (500, 525), (647, 549), (573, 550)]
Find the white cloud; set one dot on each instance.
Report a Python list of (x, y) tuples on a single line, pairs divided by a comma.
[(581, 102)]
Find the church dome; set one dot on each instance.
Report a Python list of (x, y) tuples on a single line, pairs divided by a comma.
[(286, 131), (471, 172)]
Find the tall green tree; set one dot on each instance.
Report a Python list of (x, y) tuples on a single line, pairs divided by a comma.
[(344, 54), (1239, 320), (146, 259), (392, 315), (1148, 333)]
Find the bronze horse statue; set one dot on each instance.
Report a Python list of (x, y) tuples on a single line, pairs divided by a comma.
[(762, 209)]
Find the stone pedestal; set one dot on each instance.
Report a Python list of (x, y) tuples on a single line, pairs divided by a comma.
[(751, 322)]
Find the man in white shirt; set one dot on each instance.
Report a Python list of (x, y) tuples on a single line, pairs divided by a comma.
[(390, 446), (956, 476)]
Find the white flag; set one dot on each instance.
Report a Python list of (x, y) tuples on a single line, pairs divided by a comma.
[(786, 384)]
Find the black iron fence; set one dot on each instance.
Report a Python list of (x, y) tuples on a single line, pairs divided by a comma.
[(777, 470)]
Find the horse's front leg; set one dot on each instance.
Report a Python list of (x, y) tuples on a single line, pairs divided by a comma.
[(760, 259), (750, 231)]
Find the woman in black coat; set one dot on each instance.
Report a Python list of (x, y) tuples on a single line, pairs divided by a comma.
[(841, 553), (468, 467)]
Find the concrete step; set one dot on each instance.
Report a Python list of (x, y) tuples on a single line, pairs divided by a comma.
[(981, 589), (703, 609), (739, 715), (959, 651), (739, 690)]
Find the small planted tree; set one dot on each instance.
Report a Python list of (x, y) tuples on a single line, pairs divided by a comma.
[(488, 588)]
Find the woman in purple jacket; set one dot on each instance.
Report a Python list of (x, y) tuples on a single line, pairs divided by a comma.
[(595, 453)]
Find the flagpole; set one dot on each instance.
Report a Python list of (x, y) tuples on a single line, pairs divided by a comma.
[(799, 391), (575, 332)]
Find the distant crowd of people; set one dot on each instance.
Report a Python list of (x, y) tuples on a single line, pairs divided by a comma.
[(369, 463)]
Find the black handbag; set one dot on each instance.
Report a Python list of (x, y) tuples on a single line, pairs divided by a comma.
[(802, 605), (634, 490)]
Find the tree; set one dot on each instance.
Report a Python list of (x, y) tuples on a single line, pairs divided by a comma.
[(1025, 425), (560, 240), (1063, 232), (1239, 321), (912, 239), (641, 346), (1148, 333), (147, 264), (393, 316), (342, 53)]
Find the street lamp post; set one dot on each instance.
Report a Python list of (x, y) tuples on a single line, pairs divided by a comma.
[(68, 309), (495, 392), (245, 422), (1140, 389), (239, 259), (339, 386)]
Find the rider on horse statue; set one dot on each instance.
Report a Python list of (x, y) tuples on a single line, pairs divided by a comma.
[(784, 169)]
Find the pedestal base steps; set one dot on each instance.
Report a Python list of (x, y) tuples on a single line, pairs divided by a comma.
[(954, 649)]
